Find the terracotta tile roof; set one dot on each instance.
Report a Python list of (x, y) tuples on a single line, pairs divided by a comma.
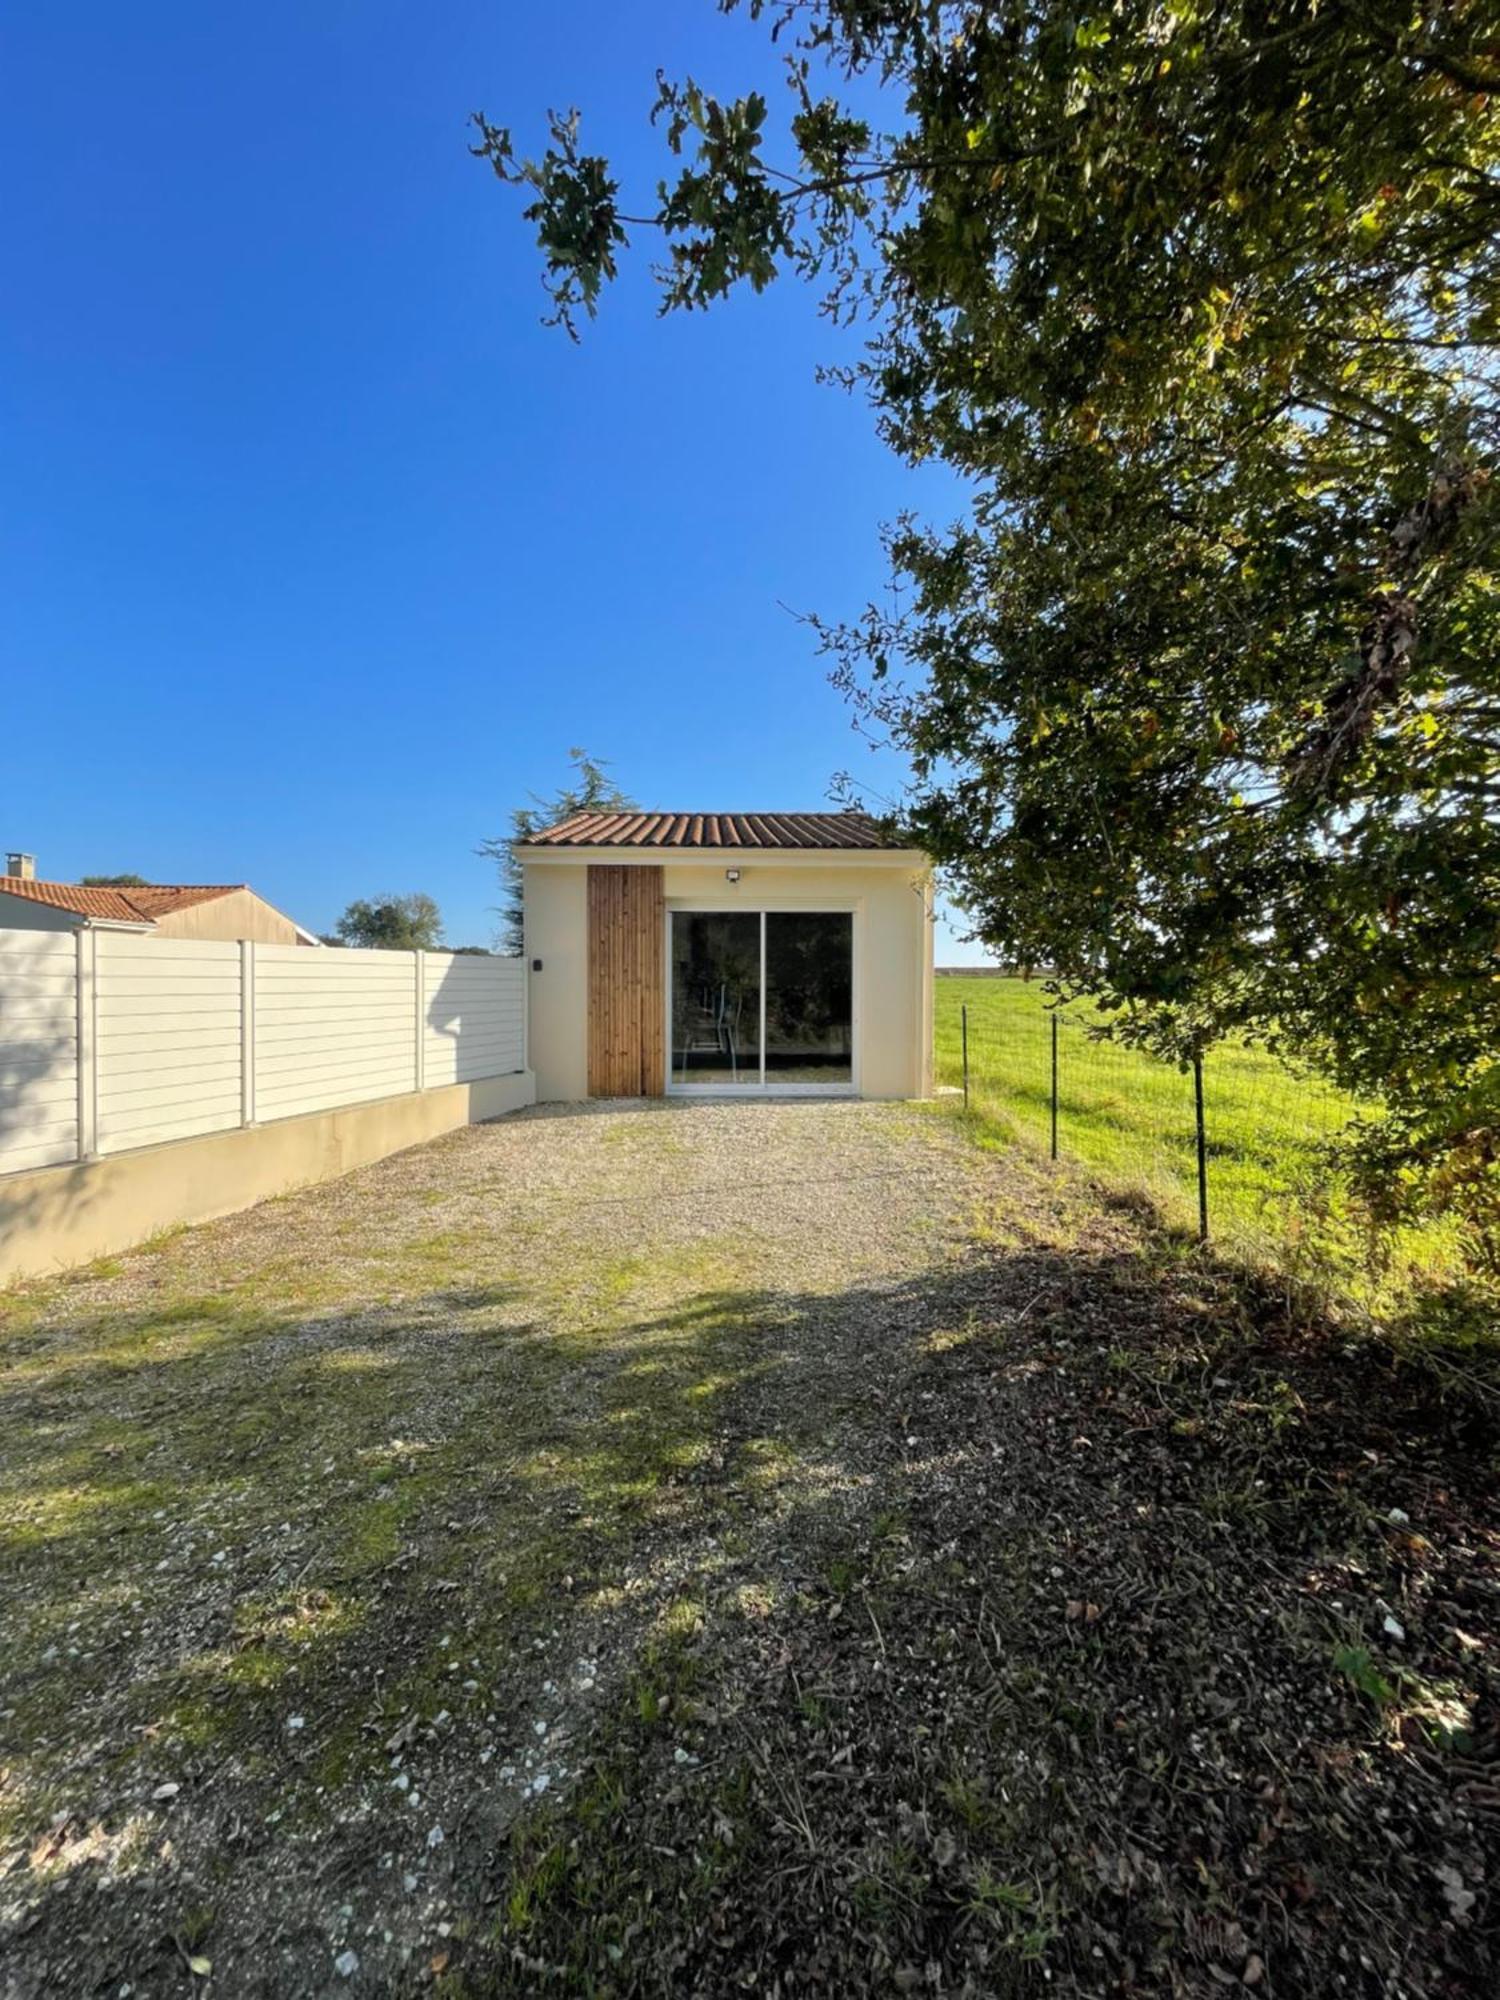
[(667, 829), (160, 899), (120, 906)]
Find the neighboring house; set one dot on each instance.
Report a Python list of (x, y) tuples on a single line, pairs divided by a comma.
[(759, 954), (227, 911)]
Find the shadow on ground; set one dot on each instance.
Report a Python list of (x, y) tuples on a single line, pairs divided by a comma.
[(1066, 1619)]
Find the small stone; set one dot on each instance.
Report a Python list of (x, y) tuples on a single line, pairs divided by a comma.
[(434, 1836), (1459, 1898), (1393, 1628), (166, 1792), (296, 1722), (346, 1964), (1399, 1518)]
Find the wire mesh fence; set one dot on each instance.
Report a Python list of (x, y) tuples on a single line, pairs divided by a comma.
[(1235, 1147)]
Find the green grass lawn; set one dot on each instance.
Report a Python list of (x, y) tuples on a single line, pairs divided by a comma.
[(1129, 1120)]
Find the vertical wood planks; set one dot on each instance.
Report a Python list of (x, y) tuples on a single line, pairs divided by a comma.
[(626, 993)]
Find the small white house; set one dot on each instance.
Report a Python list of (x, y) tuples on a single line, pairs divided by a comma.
[(752, 954)]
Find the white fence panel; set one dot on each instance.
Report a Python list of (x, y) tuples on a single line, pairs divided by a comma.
[(38, 1049), (473, 1017), (112, 1040), (167, 1032), (331, 1027)]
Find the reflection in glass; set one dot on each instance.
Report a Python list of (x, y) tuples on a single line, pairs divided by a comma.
[(716, 997), (809, 997)]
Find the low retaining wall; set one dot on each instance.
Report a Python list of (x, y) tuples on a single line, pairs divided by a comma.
[(56, 1216)]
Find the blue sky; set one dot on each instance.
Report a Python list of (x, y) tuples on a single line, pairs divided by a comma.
[(321, 550)]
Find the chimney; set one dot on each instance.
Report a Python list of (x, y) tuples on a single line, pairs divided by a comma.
[(23, 865)]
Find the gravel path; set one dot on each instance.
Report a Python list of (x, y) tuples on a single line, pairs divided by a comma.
[(295, 1486), (682, 1549), (826, 1191)]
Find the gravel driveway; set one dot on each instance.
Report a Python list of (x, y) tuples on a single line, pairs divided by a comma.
[(314, 1481), (682, 1549)]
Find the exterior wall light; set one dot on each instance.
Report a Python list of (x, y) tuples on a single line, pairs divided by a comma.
[(731, 874)]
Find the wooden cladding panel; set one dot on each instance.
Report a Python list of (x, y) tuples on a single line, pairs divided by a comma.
[(627, 998)]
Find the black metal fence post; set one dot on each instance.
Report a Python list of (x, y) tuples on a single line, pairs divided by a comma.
[(1202, 1150), (1054, 1086), (964, 1020)]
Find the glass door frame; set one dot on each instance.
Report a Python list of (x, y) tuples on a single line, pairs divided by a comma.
[(820, 906)]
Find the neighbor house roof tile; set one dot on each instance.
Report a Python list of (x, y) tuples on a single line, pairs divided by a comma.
[(668, 829), (120, 906)]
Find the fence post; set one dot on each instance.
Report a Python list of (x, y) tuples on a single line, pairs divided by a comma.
[(1202, 1150), (88, 1043), (247, 1031), (1054, 1085), (525, 965), (419, 1046), (963, 1015)]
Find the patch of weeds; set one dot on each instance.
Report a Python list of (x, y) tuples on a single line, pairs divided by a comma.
[(1357, 1665), (194, 1925), (370, 1531), (756, 1599), (87, 1512), (1015, 1912), (163, 1239), (420, 1256), (842, 1576), (894, 1879), (943, 1340), (1441, 1709), (1235, 1502), (535, 1883), (968, 1799), (813, 1709), (669, 1667)]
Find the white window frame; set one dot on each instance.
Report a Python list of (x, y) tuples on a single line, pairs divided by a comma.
[(822, 906)]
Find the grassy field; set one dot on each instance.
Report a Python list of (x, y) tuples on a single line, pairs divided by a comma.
[(1129, 1120)]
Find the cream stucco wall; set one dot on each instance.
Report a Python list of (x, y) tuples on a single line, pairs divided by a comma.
[(57, 1216), (891, 899), (240, 914)]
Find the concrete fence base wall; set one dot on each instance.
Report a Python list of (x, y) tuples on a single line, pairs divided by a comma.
[(53, 1217)]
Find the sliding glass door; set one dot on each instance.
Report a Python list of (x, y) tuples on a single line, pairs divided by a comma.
[(762, 1000), (716, 988), (809, 982)]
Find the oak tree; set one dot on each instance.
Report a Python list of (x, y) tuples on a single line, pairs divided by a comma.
[(1201, 695)]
